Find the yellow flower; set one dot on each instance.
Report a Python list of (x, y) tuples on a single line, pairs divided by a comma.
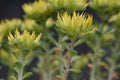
[(28, 9), (36, 9), (49, 22), (59, 4), (70, 4), (12, 24), (25, 40), (9, 25), (105, 5), (80, 4), (3, 32), (29, 25), (6, 26), (41, 8), (75, 25)]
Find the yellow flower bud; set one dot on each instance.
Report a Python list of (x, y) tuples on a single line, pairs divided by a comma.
[(29, 24), (25, 40), (75, 25), (70, 4), (28, 8), (36, 9), (49, 22), (104, 5), (12, 24), (9, 25)]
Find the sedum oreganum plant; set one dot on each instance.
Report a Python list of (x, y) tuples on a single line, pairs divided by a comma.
[(74, 27), (66, 26), (25, 43)]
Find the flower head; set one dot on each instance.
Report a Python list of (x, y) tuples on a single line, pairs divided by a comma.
[(105, 5), (70, 4), (9, 25), (25, 40), (30, 25), (46, 8), (75, 25), (36, 9), (6, 26)]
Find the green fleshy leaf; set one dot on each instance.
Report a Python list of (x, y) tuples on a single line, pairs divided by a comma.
[(26, 75), (28, 60), (98, 33), (75, 70), (80, 41), (73, 52), (53, 40), (17, 67), (74, 58), (90, 44), (12, 78), (64, 38), (64, 44)]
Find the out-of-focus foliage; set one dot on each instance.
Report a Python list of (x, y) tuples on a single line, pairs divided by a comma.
[(40, 10), (70, 5), (65, 25), (103, 6)]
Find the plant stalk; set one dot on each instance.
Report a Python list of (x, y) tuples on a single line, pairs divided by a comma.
[(20, 74), (111, 71), (67, 67), (92, 74), (68, 61)]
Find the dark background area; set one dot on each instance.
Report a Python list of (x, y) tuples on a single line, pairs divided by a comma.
[(12, 8)]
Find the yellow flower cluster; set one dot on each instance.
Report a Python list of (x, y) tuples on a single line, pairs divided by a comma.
[(25, 40), (75, 25), (11, 25), (70, 4), (8, 25), (43, 7), (30, 25), (104, 5), (36, 9)]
